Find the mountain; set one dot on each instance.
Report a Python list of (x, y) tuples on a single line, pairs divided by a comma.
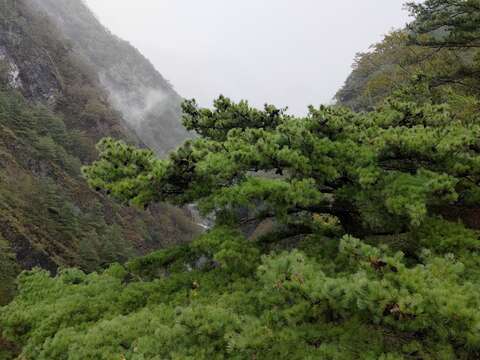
[(147, 101), (53, 110), (369, 237), (394, 61)]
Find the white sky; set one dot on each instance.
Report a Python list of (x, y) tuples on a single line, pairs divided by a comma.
[(285, 52)]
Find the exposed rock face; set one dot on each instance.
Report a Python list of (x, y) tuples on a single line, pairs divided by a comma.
[(42, 66), (30, 69), (13, 72), (146, 100)]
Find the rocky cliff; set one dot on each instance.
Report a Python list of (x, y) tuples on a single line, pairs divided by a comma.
[(147, 101), (53, 110)]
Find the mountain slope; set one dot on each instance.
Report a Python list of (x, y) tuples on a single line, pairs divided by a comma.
[(393, 62), (52, 112), (147, 101)]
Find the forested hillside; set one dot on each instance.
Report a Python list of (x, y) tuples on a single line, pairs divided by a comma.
[(147, 101), (394, 61), (367, 243), (53, 110)]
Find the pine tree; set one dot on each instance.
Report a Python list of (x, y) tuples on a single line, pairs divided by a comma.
[(368, 258)]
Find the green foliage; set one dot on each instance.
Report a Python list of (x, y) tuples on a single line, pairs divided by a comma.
[(366, 256), (8, 272), (408, 290), (229, 250), (389, 168), (446, 23), (356, 301)]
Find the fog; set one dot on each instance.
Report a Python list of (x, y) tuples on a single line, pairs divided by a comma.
[(285, 52)]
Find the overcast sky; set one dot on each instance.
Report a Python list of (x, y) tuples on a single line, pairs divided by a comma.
[(285, 52)]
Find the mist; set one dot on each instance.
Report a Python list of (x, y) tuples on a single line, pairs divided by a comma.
[(277, 51)]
